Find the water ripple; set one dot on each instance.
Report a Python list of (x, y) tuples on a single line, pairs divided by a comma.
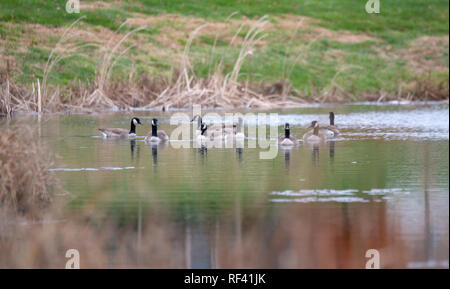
[(342, 196), (90, 169)]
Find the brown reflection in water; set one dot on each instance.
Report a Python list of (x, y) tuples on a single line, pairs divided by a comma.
[(308, 237), (239, 154), (287, 158), (155, 154), (134, 151), (294, 239), (203, 151), (139, 232), (314, 235), (431, 244), (315, 154), (288, 235), (199, 246), (331, 144), (154, 148)]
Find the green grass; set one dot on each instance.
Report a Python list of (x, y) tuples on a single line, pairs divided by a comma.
[(399, 23), (398, 20), (360, 68), (411, 17), (53, 13)]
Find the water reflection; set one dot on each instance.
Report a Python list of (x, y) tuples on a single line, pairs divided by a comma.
[(199, 247), (134, 153), (315, 154), (139, 231), (154, 150), (293, 239), (225, 212), (287, 157), (331, 144), (203, 151), (155, 153), (239, 154)]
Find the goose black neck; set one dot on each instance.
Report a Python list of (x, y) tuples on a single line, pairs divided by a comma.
[(203, 131), (133, 127), (287, 133), (154, 130), (316, 130), (331, 118)]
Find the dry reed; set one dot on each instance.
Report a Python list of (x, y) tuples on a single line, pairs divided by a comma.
[(219, 89), (25, 181)]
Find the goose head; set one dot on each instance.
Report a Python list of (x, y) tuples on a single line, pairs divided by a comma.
[(199, 121), (287, 130), (136, 121)]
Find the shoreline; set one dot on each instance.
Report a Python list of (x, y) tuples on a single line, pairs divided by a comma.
[(400, 102), (214, 93)]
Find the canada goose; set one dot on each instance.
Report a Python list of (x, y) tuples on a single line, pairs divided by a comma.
[(332, 127), (287, 140), (315, 135), (322, 131), (155, 135), (201, 138), (214, 132), (328, 130), (121, 132), (198, 131)]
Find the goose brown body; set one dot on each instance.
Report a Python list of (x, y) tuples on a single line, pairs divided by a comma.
[(287, 140), (156, 135), (315, 135), (331, 130), (121, 132)]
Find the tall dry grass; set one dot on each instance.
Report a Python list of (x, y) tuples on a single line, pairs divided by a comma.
[(111, 53), (182, 88), (42, 97), (25, 181), (220, 89)]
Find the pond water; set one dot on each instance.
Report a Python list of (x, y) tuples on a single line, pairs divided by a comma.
[(382, 184)]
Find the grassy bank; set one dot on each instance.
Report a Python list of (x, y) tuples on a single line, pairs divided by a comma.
[(219, 53)]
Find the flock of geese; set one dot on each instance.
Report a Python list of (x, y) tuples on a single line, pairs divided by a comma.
[(318, 133)]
